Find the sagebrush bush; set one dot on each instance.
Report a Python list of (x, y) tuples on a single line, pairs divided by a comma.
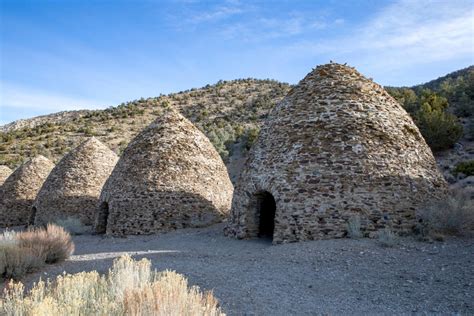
[(52, 243), (130, 288), (387, 238), (72, 225), (353, 227), (15, 262), (453, 215), (25, 252)]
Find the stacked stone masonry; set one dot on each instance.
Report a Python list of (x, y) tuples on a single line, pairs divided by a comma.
[(19, 191), (5, 172), (73, 187), (169, 177), (338, 146)]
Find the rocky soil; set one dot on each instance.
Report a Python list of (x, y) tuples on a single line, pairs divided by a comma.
[(342, 276)]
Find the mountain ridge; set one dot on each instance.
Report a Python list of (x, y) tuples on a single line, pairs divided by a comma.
[(230, 113)]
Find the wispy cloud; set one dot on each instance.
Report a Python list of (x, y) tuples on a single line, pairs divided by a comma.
[(421, 30), (22, 97), (252, 22), (405, 33), (266, 28), (217, 13)]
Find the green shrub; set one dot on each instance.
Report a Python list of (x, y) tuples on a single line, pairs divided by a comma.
[(465, 106), (441, 130), (466, 167), (251, 136), (470, 130)]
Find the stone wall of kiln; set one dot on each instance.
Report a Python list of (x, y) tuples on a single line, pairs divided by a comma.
[(165, 211), (19, 191), (73, 187), (169, 177), (337, 146), (5, 172)]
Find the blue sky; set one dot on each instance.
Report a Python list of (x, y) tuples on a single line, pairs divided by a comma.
[(65, 55)]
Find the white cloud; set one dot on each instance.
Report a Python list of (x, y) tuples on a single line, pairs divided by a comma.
[(402, 34), (421, 30)]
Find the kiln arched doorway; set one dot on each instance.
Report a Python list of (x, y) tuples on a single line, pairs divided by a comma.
[(103, 216), (266, 208), (31, 220)]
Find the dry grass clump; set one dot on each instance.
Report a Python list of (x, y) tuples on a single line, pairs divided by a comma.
[(54, 244), (453, 215), (73, 225), (25, 252), (353, 227), (130, 288), (387, 238), (16, 261)]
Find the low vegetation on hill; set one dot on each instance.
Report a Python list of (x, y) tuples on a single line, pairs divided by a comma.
[(231, 113), (227, 112), (436, 107)]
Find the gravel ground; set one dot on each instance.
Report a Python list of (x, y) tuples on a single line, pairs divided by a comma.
[(344, 276)]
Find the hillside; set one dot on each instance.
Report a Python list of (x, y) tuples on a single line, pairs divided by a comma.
[(455, 78), (457, 87), (230, 113)]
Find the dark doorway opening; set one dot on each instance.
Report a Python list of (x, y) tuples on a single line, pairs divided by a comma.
[(103, 216), (266, 209), (31, 220)]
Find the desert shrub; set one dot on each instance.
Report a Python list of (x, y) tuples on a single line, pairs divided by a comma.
[(353, 227), (16, 261), (72, 225), (129, 288), (170, 292), (440, 129), (387, 238), (465, 106), (453, 215), (466, 167), (54, 244), (406, 97), (222, 138), (251, 136), (470, 130)]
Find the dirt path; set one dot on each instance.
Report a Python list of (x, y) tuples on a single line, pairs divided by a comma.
[(321, 277)]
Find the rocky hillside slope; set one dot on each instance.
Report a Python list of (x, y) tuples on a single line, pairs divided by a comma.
[(230, 113)]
